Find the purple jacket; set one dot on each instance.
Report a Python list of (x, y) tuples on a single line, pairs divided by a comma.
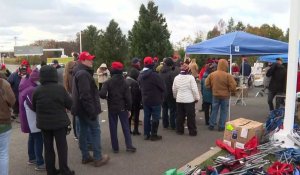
[(26, 88)]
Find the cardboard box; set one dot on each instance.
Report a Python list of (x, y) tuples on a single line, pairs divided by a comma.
[(298, 111), (242, 131)]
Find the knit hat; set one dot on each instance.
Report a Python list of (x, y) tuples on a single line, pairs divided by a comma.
[(117, 66), (103, 65), (168, 61), (85, 56), (148, 61), (35, 75), (48, 74), (135, 60)]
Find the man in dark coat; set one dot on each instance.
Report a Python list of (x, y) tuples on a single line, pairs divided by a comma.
[(169, 102), (245, 70), (152, 88), (277, 85), (87, 107)]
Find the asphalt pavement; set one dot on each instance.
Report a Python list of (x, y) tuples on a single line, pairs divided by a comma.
[(151, 158)]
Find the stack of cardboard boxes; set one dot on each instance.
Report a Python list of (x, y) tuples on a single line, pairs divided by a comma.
[(239, 131)]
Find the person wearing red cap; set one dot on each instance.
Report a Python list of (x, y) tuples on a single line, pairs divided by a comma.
[(119, 103), (4, 70), (86, 105), (153, 89), (14, 79)]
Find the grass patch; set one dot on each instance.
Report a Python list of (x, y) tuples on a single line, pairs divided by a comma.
[(60, 60)]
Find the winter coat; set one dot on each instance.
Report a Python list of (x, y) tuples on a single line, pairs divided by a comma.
[(85, 94), (7, 100), (185, 89), (68, 75), (194, 69), (152, 88), (117, 93), (14, 80), (221, 82), (26, 88), (278, 80), (136, 96), (168, 75), (50, 101), (60, 73), (206, 92), (247, 69), (103, 76)]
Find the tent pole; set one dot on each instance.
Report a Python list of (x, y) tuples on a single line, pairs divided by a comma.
[(293, 56), (230, 71)]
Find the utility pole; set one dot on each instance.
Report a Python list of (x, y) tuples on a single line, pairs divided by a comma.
[(15, 38)]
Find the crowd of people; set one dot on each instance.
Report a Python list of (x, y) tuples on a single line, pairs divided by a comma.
[(41, 98)]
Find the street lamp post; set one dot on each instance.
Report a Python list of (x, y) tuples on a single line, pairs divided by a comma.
[(80, 44)]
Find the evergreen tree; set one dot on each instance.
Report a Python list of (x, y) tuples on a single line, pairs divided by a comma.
[(112, 46), (149, 35), (230, 26), (89, 39), (240, 26)]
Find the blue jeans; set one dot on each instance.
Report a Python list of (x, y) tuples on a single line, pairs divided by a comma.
[(35, 147), (89, 137), (94, 126), (216, 104), (4, 150), (149, 111)]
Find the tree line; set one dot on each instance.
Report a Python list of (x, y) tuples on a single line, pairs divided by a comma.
[(149, 36)]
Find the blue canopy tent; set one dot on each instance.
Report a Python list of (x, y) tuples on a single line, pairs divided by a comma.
[(272, 58), (238, 43)]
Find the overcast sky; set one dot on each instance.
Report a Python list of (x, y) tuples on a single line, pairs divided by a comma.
[(30, 20)]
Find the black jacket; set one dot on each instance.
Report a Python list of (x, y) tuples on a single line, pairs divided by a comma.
[(135, 90), (247, 69), (152, 88), (117, 93), (168, 75), (278, 80), (86, 102), (50, 101)]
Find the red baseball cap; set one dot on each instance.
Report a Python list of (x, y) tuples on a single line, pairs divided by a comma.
[(148, 61), (25, 63), (86, 56), (117, 65)]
